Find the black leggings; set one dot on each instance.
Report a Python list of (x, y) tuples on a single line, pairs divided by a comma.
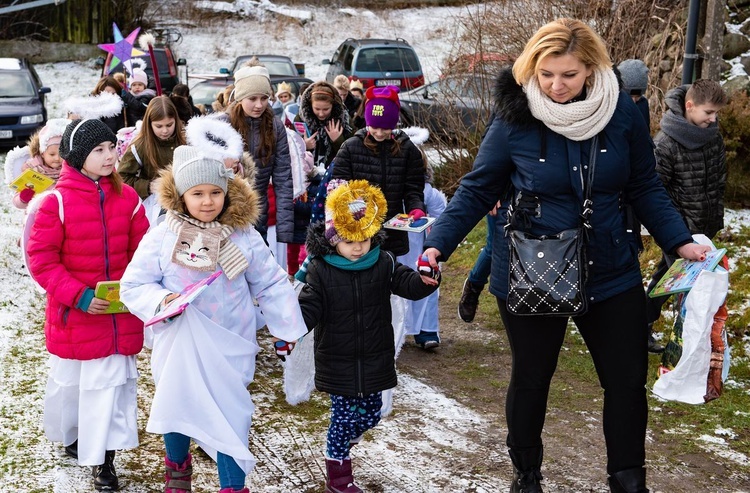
[(616, 334)]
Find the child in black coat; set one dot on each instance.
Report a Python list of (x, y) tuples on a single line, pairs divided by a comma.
[(349, 282)]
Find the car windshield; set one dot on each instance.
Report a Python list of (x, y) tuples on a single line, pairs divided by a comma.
[(16, 85), (387, 59), (275, 67), (205, 93)]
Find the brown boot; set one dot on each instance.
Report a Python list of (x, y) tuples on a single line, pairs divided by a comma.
[(178, 477), (340, 477)]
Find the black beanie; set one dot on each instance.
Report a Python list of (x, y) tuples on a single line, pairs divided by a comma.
[(85, 135)]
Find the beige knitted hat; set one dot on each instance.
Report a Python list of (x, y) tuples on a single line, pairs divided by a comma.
[(249, 81)]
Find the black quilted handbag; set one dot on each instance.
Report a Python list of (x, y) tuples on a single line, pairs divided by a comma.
[(547, 274)]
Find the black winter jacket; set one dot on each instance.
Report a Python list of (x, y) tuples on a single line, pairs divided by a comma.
[(351, 312), (691, 162), (400, 177)]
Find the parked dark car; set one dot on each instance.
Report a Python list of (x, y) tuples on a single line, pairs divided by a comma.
[(453, 105), (205, 91), (276, 65), (169, 73), (22, 109), (377, 62)]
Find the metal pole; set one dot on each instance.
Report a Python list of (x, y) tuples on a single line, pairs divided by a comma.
[(688, 61)]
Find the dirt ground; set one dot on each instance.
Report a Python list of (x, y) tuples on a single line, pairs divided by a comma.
[(472, 366)]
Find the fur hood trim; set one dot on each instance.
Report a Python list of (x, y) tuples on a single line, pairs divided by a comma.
[(317, 245), (14, 162), (338, 111), (418, 135), (214, 136), (244, 204), (103, 105), (510, 102)]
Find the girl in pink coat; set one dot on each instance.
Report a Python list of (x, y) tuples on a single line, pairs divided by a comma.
[(84, 232)]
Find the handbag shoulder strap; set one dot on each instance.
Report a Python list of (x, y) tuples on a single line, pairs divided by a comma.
[(588, 203)]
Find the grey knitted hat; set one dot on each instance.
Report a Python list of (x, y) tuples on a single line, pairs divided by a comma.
[(79, 139), (192, 167), (634, 75)]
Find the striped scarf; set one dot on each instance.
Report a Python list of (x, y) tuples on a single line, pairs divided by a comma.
[(215, 245)]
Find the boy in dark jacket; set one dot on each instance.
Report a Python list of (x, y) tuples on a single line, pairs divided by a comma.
[(347, 298), (691, 162)]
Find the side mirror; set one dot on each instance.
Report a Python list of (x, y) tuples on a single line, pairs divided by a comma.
[(181, 61), (99, 62), (326, 61), (44, 90), (224, 70)]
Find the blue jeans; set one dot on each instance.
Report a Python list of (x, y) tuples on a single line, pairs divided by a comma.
[(480, 273), (230, 474)]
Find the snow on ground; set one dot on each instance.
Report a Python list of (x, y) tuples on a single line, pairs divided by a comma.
[(396, 461), (415, 449)]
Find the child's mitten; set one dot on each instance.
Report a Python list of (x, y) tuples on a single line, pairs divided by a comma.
[(283, 348), (424, 268), (26, 195)]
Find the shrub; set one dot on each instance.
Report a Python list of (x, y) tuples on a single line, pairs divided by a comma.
[(734, 122)]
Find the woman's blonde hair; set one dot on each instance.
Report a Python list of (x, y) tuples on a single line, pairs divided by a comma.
[(557, 38)]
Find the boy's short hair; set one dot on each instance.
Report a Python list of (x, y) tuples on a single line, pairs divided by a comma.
[(704, 91)]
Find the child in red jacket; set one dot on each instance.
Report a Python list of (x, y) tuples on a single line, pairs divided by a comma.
[(84, 232)]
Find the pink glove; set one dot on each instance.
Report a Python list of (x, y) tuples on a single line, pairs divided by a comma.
[(26, 195), (416, 214)]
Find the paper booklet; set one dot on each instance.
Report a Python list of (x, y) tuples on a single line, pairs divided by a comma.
[(402, 222), (302, 129), (682, 274), (31, 179), (110, 291), (179, 304)]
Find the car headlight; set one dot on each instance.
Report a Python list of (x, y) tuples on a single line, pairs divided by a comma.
[(29, 119)]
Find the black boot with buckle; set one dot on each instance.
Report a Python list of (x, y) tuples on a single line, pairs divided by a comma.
[(527, 472), (105, 477)]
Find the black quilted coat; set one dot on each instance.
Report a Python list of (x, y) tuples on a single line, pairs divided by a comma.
[(400, 177), (354, 348), (691, 162)]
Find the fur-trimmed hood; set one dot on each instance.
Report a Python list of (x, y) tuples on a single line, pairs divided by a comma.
[(317, 245), (509, 99), (244, 204), (338, 111)]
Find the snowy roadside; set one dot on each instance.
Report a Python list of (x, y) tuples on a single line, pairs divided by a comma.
[(416, 449)]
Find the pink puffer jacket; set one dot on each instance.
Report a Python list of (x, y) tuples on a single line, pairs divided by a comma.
[(92, 239)]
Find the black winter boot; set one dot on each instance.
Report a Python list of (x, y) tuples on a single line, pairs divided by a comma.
[(105, 477), (527, 472), (628, 481)]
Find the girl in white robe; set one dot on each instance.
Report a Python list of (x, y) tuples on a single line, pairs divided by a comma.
[(204, 359)]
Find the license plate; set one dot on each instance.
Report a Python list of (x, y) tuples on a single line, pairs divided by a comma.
[(388, 82), (6, 134)]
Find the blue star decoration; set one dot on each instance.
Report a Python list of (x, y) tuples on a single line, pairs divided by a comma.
[(122, 49)]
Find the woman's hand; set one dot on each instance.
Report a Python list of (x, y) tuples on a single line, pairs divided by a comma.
[(97, 306), (334, 130), (693, 251), (432, 255), (310, 141)]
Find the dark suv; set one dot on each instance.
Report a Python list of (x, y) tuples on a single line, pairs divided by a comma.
[(169, 75), (22, 109), (377, 62)]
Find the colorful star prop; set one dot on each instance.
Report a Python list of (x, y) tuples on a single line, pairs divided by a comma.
[(122, 49)]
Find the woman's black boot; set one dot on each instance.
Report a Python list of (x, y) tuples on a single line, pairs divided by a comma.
[(105, 477), (527, 472), (628, 481)]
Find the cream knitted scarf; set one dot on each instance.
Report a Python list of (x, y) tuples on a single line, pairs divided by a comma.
[(200, 246), (579, 120)]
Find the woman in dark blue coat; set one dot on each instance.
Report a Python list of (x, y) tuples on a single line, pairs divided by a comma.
[(561, 93)]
